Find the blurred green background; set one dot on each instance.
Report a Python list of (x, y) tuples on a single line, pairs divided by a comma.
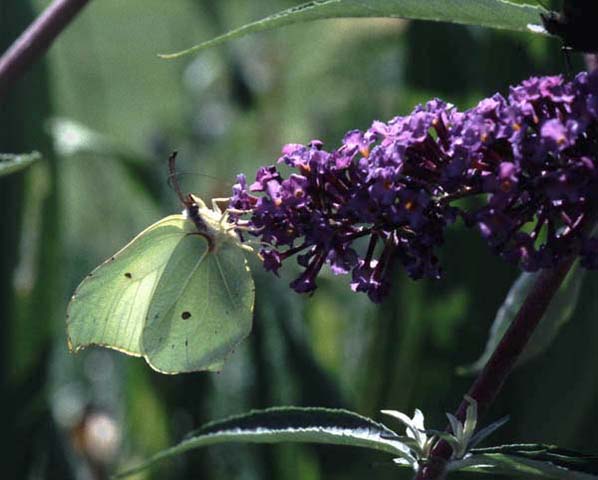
[(106, 112)]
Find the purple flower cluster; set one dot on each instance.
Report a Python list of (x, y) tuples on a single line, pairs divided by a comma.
[(530, 159)]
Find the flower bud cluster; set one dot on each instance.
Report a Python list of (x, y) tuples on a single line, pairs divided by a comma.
[(387, 194)]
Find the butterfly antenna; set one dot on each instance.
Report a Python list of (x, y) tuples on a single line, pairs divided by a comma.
[(190, 206), (173, 179)]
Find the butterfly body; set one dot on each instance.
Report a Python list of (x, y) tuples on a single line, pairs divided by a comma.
[(212, 223)]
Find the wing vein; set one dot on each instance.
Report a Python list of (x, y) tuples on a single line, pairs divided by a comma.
[(110, 312), (188, 279), (128, 321), (228, 290)]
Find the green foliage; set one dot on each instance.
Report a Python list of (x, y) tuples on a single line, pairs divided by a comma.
[(10, 163), (559, 312), (289, 424), (341, 427), (168, 296), (230, 110), (531, 461), (487, 13), (30, 242)]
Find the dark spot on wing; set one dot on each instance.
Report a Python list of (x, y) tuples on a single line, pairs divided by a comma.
[(186, 343), (112, 259), (128, 275), (172, 346), (89, 275), (185, 315)]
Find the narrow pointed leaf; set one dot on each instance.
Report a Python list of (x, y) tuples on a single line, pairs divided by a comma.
[(488, 13), (418, 419), (447, 437), (559, 312), (456, 425), (289, 424), (531, 460), (485, 432), (408, 441), (571, 459), (471, 420), (411, 430), (10, 163)]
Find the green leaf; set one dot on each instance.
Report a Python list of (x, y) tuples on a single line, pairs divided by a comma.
[(289, 424), (530, 460), (559, 312), (169, 296), (11, 163), (487, 13), (488, 430)]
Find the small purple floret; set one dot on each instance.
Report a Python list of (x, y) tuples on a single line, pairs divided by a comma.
[(530, 158)]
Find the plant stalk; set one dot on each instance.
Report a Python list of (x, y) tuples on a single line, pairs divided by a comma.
[(36, 40), (492, 377)]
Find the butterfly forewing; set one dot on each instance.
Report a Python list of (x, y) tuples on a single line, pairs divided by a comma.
[(110, 306)]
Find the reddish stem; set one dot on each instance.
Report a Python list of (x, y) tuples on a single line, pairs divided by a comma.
[(498, 368), (36, 40)]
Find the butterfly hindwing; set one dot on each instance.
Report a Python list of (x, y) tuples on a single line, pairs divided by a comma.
[(201, 310)]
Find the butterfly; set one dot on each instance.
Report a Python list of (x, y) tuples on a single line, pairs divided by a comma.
[(180, 294), (575, 25)]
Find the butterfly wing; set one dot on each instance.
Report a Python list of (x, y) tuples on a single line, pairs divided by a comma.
[(110, 306), (167, 297), (201, 309)]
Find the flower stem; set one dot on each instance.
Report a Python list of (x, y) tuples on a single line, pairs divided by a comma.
[(491, 379), (36, 39)]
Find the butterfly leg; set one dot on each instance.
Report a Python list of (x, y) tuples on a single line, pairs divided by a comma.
[(215, 201), (238, 211)]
